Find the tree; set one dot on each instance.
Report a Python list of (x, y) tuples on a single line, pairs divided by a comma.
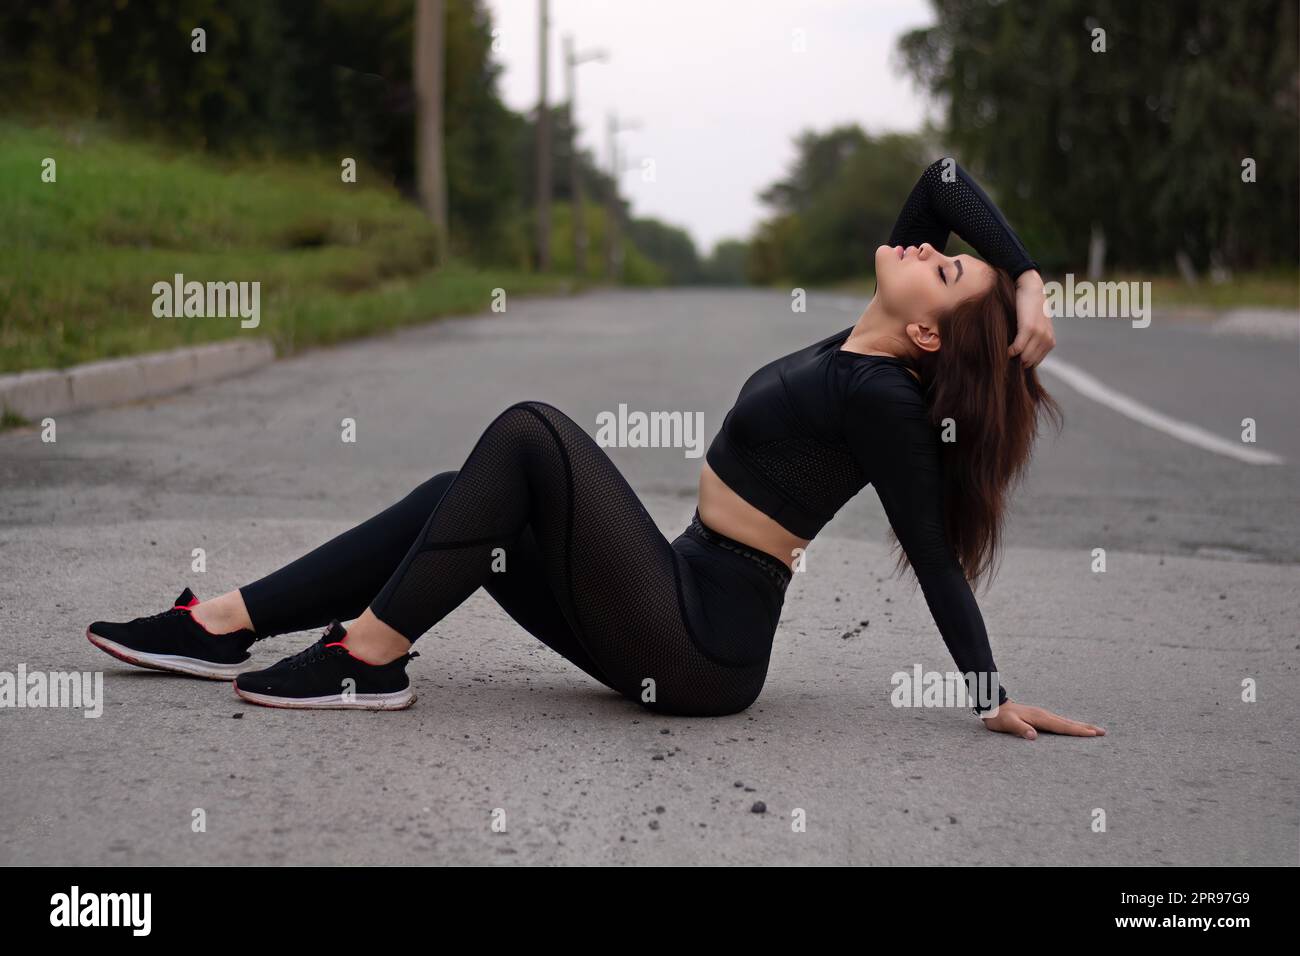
[(726, 263), (838, 202), (1142, 143), (667, 246), (431, 174)]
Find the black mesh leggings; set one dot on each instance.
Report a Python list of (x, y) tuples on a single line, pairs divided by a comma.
[(683, 627)]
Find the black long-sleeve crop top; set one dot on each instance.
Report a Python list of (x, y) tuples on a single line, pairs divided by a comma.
[(812, 428)]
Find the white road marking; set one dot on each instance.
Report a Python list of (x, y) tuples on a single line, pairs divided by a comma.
[(1089, 387)]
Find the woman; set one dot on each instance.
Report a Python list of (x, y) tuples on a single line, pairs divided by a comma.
[(539, 516)]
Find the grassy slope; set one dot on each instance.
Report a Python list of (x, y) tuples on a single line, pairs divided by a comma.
[(79, 257)]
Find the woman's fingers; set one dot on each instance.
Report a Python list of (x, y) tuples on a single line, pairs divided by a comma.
[(1046, 342), (1025, 721), (1056, 724), (1026, 346), (1034, 335), (1032, 345)]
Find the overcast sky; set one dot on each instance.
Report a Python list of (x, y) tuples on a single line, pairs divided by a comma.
[(718, 88)]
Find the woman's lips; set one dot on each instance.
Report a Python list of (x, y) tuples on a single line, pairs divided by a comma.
[(901, 251)]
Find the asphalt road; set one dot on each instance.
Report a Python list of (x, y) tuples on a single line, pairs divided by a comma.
[(1203, 563)]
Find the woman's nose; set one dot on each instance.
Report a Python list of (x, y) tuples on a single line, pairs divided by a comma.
[(925, 251)]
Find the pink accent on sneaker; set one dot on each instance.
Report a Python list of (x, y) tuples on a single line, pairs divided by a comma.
[(351, 655), (189, 608)]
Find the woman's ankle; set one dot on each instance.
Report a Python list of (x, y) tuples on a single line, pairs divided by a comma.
[(371, 640), (223, 615)]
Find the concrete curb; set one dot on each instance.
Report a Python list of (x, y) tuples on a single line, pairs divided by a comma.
[(1280, 324), (34, 395), (1250, 322)]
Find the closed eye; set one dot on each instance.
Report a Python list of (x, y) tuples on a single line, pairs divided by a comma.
[(942, 275)]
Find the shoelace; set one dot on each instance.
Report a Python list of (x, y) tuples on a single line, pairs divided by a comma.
[(178, 609), (318, 652), (307, 657), (170, 612)]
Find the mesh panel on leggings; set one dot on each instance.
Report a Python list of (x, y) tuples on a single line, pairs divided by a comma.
[(612, 571)]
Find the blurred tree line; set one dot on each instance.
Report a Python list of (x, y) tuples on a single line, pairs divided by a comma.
[(837, 203), (1131, 158), (674, 250), (329, 77)]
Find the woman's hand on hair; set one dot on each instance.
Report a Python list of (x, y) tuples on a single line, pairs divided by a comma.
[(1025, 721), (1034, 334)]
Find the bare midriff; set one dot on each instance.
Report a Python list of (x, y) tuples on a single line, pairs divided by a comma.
[(727, 513)]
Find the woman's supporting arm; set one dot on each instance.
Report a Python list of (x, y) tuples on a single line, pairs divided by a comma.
[(897, 447)]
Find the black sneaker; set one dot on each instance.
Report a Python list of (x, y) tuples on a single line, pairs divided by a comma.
[(174, 641), (319, 678)]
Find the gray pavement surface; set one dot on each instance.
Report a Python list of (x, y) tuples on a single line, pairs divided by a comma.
[(1203, 563)]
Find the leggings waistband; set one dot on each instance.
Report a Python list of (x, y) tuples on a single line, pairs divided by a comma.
[(773, 567)]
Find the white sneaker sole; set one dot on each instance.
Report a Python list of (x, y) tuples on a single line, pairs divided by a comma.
[(169, 662), (397, 700)]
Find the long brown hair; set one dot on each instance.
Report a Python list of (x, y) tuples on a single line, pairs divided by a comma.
[(995, 403)]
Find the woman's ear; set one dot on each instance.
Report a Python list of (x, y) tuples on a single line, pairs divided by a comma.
[(924, 336)]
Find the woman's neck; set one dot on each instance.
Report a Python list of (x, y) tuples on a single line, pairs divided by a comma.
[(878, 333)]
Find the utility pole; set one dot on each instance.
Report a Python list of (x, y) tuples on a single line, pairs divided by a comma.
[(614, 209), (543, 143), (571, 62), (430, 171)]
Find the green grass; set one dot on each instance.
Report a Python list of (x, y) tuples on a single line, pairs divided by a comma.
[(1276, 289), (79, 257)]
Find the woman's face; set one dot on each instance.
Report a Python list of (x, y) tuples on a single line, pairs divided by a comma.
[(917, 283)]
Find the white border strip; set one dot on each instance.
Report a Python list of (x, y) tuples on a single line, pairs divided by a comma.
[(1089, 387)]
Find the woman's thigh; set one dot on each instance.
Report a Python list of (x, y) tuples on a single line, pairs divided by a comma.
[(617, 582), (522, 590)]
